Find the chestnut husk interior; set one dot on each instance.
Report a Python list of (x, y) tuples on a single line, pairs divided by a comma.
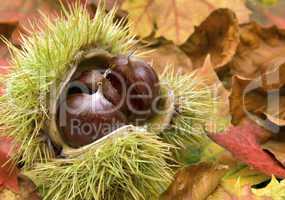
[(84, 60), (91, 59)]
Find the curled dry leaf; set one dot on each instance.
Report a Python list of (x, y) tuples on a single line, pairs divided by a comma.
[(171, 55), (196, 182), (216, 182), (217, 35), (242, 102), (258, 98), (243, 142), (260, 50), (176, 20), (277, 149)]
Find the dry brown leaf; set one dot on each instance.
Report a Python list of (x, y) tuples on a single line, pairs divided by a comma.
[(176, 19), (195, 182), (243, 103), (169, 54), (218, 36), (252, 98), (260, 50), (276, 148), (215, 182)]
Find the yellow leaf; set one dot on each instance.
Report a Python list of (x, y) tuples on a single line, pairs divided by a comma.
[(275, 190), (240, 177), (141, 16), (178, 17)]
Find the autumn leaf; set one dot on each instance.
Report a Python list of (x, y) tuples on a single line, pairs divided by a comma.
[(218, 36), (169, 54), (242, 193), (259, 51), (277, 148), (243, 142), (216, 182), (196, 182), (32, 19), (8, 171), (253, 98), (242, 175), (275, 190), (176, 19), (236, 184), (141, 16)]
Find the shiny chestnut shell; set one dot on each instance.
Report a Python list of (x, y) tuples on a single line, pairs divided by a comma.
[(89, 118), (139, 81)]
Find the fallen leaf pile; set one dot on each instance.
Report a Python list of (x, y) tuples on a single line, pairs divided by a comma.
[(243, 62), (238, 47)]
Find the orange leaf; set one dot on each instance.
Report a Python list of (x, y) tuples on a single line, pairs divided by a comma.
[(176, 19)]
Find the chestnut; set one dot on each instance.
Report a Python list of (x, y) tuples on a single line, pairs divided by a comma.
[(141, 81), (89, 118), (91, 79)]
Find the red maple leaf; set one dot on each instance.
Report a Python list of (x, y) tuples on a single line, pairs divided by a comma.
[(242, 142)]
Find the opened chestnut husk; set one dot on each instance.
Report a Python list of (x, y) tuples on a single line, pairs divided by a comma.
[(93, 99)]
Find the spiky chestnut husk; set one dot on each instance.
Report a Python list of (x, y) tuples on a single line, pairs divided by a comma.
[(193, 105), (130, 167), (45, 60), (42, 63)]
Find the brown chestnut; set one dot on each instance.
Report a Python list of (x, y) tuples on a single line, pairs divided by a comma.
[(93, 77), (89, 118), (141, 81)]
